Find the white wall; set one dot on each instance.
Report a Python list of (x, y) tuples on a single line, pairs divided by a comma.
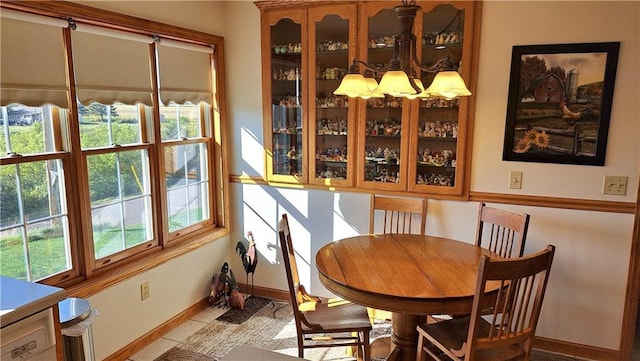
[(205, 16), (174, 287), (585, 298), (508, 23)]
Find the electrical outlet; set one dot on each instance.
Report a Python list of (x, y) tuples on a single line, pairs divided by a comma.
[(515, 179), (144, 291), (615, 185)]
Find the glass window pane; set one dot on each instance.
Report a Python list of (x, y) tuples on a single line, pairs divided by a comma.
[(49, 251), (125, 125), (105, 125), (14, 263), (107, 230), (48, 247), (137, 227), (10, 206), (134, 173), (187, 182), (103, 177), (26, 130), (116, 175), (185, 164), (34, 240), (188, 205), (120, 201), (93, 134), (180, 121), (198, 203), (174, 166), (41, 189), (178, 212)]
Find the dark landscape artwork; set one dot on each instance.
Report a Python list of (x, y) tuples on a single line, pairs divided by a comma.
[(559, 103)]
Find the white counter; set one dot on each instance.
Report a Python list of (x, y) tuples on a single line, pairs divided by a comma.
[(20, 299)]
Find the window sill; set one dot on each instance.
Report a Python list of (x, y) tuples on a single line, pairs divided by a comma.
[(99, 282)]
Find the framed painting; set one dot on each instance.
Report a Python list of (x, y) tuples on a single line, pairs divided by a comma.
[(560, 102)]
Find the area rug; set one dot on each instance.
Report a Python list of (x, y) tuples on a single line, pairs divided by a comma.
[(271, 327), (269, 324), (251, 306)]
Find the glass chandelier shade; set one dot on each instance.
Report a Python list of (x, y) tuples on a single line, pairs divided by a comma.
[(448, 84), (396, 83), (353, 85)]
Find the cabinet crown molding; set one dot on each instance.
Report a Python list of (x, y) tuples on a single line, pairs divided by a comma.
[(290, 4)]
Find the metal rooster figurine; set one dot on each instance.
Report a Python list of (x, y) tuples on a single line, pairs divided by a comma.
[(249, 258), (224, 289)]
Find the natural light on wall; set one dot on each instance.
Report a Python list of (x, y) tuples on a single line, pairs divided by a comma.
[(251, 146), (298, 214), (341, 227), (260, 216)]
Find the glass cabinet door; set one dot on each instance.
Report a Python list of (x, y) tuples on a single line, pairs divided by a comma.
[(332, 37), (438, 146), (284, 74), (383, 122)]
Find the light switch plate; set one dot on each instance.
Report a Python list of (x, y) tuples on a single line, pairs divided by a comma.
[(144, 291), (615, 185), (515, 179)]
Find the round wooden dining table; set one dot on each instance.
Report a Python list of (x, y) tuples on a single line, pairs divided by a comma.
[(409, 275)]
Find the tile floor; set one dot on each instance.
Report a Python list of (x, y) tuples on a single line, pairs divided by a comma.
[(178, 334), (175, 336)]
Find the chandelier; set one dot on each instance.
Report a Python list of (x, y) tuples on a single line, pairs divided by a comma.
[(399, 79)]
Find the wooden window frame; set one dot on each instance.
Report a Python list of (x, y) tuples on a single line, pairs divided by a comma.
[(87, 279)]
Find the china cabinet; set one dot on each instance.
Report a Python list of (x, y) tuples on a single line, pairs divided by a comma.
[(390, 144)]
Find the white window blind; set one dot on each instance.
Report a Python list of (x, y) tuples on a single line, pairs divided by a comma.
[(111, 66), (185, 72), (33, 66)]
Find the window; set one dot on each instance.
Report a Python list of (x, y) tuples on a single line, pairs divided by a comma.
[(118, 172), (185, 76), (34, 224), (91, 185), (185, 165)]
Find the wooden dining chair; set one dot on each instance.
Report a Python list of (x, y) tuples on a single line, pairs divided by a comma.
[(399, 214), (507, 333), (501, 231), (322, 322)]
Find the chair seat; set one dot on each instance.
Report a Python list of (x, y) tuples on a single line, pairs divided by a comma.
[(451, 334), (338, 315)]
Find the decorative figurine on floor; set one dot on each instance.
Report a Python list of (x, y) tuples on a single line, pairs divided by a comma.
[(216, 296), (224, 290), (249, 258), (233, 293)]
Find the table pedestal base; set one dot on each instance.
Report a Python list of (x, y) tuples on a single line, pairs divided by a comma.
[(381, 346), (404, 337)]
